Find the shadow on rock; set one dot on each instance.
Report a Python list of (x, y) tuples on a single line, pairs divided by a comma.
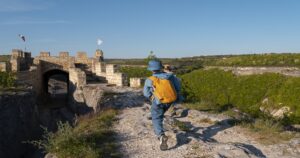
[(250, 149)]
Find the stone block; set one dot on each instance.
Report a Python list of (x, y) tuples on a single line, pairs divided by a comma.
[(81, 55), (136, 82), (118, 79), (99, 55), (3, 67), (111, 68), (44, 54), (99, 68), (63, 54), (16, 53), (15, 64)]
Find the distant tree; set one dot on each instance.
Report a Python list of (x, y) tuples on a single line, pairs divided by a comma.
[(151, 56)]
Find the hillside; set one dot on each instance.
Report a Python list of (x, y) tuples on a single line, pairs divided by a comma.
[(267, 59)]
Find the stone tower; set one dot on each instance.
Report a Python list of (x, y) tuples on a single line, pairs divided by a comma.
[(99, 55)]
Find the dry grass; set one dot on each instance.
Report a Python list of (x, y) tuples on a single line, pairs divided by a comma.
[(92, 137), (206, 120), (267, 132)]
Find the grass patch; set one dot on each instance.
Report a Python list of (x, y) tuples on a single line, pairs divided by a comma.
[(207, 106), (7, 80), (206, 120), (181, 125), (267, 131), (91, 137)]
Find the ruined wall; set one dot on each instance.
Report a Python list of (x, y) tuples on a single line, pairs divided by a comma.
[(288, 71), (47, 62), (77, 77), (113, 76), (20, 61), (99, 71)]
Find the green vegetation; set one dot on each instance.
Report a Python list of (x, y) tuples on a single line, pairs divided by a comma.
[(7, 80), (92, 137), (181, 125), (218, 90), (288, 59), (135, 71), (271, 59)]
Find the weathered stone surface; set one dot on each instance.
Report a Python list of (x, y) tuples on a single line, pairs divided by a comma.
[(136, 82), (18, 123), (93, 96), (63, 54), (276, 113), (281, 112), (44, 54), (3, 67)]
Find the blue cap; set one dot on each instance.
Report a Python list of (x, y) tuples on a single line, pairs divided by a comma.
[(154, 65)]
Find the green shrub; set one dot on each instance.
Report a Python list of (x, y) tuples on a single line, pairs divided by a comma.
[(136, 71), (219, 90), (7, 80), (197, 86), (249, 91)]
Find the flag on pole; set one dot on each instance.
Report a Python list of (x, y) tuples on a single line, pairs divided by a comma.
[(22, 37), (99, 42)]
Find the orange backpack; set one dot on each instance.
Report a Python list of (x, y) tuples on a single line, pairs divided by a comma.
[(163, 90)]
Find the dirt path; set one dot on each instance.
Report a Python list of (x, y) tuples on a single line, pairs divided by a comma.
[(200, 135)]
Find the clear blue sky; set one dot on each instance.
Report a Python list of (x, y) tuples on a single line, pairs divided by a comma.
[(132, 28)]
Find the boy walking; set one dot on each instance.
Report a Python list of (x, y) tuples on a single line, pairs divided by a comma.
[(163, 90)]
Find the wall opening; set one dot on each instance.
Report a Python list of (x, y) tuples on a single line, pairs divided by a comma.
[(55, 85)]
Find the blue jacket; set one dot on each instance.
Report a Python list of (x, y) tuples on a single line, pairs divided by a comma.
[(148, 90)]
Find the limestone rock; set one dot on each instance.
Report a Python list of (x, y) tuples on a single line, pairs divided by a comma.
[(93, 95), (49, 155), (281, 112)]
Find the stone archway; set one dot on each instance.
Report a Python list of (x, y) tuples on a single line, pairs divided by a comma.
[(55, 88), (47, 75)]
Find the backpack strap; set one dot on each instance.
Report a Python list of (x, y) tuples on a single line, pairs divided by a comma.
[(152, 78)]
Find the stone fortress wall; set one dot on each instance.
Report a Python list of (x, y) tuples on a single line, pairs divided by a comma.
[(30, 70)]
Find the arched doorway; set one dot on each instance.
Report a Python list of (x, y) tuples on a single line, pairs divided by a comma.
[(56, 87)]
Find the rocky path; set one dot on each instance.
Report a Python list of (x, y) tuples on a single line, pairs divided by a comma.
[(191, 133)]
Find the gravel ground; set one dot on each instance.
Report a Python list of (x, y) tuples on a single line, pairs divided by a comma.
[(204, 137)]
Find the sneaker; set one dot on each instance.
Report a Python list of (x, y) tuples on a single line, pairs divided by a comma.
[(149, 116), (163, 142)]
